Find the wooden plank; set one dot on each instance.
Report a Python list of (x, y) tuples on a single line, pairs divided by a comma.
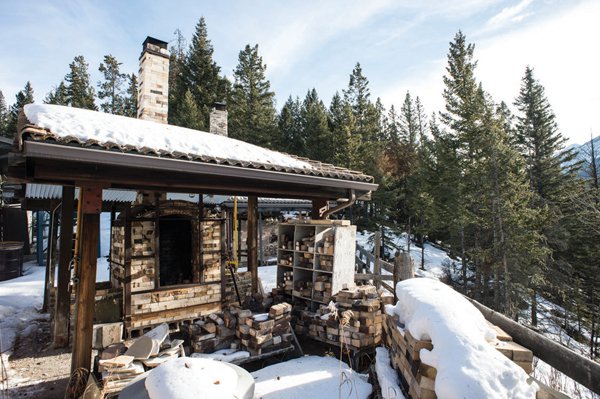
[(127, 266), (252, 242), (86, 286), (387, 287), (388, 267), (63, 300), (372, 276)]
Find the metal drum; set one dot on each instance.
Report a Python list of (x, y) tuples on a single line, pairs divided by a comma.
[(11, 259)]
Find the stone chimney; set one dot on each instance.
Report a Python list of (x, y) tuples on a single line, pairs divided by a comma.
[(153, 93), (153, 96), (218, 119)]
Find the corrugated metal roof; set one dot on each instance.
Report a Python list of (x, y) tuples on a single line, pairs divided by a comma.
[(311, 168), (51, 191)]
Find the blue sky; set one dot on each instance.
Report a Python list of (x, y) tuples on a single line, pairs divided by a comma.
[(401, 45)]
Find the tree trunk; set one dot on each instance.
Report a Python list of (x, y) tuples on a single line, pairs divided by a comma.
[(422, 251), (534, 308)]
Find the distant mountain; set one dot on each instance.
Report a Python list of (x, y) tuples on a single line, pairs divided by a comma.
[(584, 152)]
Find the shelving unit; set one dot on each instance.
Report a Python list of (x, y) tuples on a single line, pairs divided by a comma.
[(315, 260)]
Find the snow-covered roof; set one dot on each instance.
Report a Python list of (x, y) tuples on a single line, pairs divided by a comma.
[(73, 126)]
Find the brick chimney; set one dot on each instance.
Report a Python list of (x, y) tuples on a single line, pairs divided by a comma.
[(153, 96), (153, 93), (218, 119)]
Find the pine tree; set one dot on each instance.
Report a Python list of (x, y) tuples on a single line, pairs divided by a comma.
[(3, 115), (131, 97), (319, 140), (252, 109), (79, 91), (200, 74), (342, 124), (550, 179), (291, 136), (58, 96), (22, 98), (176, 84), (110, 91), (190, 115)]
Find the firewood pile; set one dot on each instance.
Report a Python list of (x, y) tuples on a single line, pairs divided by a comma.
[(354, 319), (418, 378)]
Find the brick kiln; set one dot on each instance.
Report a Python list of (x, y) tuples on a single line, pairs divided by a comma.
[(167, 258)]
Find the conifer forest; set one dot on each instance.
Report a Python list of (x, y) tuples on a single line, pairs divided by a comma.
[(493, 183)]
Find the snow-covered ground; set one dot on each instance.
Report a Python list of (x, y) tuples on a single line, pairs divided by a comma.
[(310, 377), (20, 302)]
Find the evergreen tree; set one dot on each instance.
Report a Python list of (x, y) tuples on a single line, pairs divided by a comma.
[(252, 109), (552, 179), (58, 96), (176, 84), (3, 115), (110, 91), (393, 125), (22, 98), (342, 125), (291, 134), (190, 115), (200, 75), (131, 97), (79, 91), (319, 140), (409, 122)]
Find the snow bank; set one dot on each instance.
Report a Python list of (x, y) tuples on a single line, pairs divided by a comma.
[(20, 301), (103, 128), (386, 375), (467, 365), (309, 377), (191, 378)]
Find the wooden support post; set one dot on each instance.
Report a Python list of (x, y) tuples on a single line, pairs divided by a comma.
[(86, 279), (318, 205), (261, 250), (63, 298), (377, 265), (51, 256), (251, 242)]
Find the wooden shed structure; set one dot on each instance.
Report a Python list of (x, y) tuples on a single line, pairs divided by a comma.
[(95, 151)]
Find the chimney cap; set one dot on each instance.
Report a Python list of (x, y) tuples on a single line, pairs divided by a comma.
[(156, 42), (220, 105)]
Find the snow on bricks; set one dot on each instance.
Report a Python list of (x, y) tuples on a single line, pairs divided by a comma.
[(443, 347)]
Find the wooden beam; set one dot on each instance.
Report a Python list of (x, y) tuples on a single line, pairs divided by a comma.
[(63, 298), (251, 242), (86, 278)]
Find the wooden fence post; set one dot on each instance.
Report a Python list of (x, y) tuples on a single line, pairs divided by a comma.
[(251, 240), (397, 272), (377, 266)]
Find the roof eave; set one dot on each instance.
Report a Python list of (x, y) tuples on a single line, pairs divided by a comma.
[(42, 150)]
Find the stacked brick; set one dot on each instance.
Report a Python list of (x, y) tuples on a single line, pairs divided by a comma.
[(211, 247), (363, 329), (213, 332), (418, 378), (266, 332), (237, 328), (322, 288)]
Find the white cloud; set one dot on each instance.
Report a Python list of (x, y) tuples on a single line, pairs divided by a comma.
[(509, 15), (563, 50)]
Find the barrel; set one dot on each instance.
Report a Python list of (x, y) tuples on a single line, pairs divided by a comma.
[(11, 259)]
